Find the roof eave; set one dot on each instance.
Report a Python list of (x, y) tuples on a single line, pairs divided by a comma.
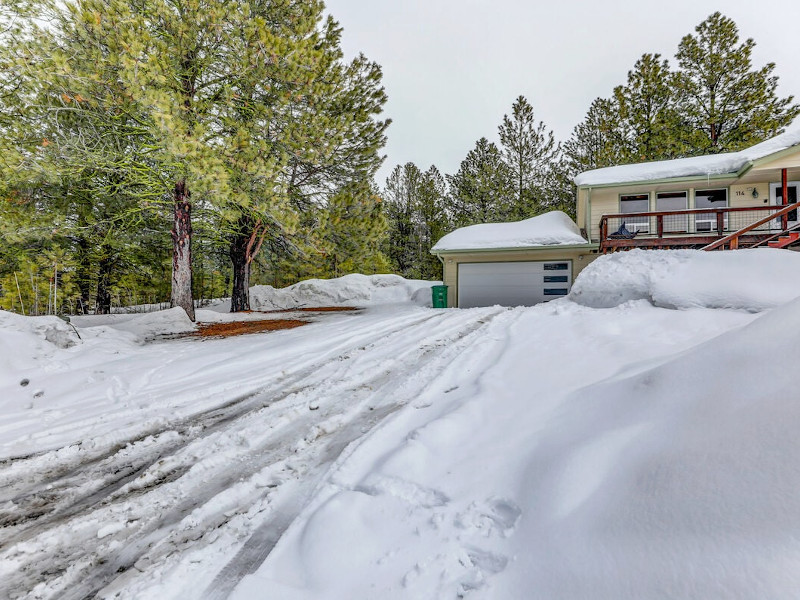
[(688, 178), (586, 246)]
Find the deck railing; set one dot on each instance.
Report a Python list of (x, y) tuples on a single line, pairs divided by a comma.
[(693, 227)]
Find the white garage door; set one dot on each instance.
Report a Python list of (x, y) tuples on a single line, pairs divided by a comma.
[(512, 283)]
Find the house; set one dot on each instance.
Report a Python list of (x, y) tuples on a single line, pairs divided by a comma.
[(723, 201)]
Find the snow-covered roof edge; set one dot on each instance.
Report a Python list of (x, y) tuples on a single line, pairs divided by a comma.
[(730, 163), (551, 229)]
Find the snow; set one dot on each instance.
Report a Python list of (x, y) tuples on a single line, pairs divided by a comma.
[(636, 439), (749, 279), (349, 290), (698, 166), (550, 229)]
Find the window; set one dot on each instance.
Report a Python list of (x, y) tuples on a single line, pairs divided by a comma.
[(555, 279), (556, 291), (637, 203), (668, 201), (709, 199), (556, 266)]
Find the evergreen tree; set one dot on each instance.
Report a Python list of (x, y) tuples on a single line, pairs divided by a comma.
[(324, 139), (432, 222), (352, 230), (646, 106), (418, 216), (482, 190), (529, 150), (726, 104), (401, 197)]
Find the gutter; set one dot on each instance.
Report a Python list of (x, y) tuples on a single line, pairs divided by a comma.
[(688, 178)]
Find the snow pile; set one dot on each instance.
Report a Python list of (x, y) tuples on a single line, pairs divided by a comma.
[(751, 279), (23, 339), (550, 229), (717, 164), (350, 290), (677, 482), (164, 322)]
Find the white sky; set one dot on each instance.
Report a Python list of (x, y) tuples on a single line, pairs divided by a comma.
[(452, 68)]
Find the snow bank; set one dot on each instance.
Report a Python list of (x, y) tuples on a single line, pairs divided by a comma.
[(549, 229), (51, 329), (752, 279), (677, 482), (350, 290), (144, 326), (164, 322), (697, 166), (22, 338)]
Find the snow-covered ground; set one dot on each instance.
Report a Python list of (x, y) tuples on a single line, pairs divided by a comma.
[(634, 440)]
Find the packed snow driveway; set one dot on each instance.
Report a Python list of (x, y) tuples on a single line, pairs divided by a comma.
[(244, 430)]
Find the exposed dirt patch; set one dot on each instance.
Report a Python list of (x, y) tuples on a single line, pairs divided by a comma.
[(243, 327)]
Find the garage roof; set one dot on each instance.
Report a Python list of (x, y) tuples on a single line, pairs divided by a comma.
[(550, 229)]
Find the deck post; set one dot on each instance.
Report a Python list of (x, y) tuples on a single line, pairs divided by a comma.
[(785, 192), (660, 225), (720, 223)]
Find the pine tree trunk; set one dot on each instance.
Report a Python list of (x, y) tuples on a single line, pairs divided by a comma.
[(84, 276), (182, 250), (104, 266), (240, 295)]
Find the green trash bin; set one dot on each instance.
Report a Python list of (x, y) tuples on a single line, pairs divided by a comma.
[(439, 296)]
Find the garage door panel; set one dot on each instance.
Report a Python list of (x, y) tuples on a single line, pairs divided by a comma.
[(512, 283)]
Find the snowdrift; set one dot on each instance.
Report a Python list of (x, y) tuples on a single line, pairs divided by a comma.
[(549, 229), (751, 279), (677, 482), (25, 338), (349, 290)]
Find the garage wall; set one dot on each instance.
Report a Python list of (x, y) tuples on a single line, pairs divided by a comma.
[(580, 257)]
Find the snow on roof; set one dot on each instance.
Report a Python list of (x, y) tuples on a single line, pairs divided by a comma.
[(550, 229), (697, 166)]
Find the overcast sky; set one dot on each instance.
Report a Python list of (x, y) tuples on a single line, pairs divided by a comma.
[(452, 68)]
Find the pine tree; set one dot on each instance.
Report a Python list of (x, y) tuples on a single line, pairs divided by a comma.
[(726, 104), (647, 108), (482, 190), (352, 230), (324, 138), (529, 150), (401, 197), (599, 141), (432, 222)]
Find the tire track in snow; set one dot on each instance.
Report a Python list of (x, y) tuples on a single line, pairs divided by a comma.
[(55, 550), (49, 485)]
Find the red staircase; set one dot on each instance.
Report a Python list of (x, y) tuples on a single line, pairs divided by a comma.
[(784, 240)]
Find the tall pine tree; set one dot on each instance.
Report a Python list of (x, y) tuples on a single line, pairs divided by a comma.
[(482, 190), (726, 104), (529, 150)]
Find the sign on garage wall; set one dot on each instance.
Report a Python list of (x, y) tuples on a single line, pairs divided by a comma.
[(512, 283)]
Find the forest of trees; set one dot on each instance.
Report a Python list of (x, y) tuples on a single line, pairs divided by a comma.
[(178, 150)]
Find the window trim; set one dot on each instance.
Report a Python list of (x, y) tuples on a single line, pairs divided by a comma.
[(640, 226), (713, 224)]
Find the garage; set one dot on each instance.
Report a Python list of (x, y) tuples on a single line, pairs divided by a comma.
[(512, 283), (513, 264)]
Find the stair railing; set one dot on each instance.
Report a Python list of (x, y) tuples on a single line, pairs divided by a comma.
[(776, 236), (732, 240)]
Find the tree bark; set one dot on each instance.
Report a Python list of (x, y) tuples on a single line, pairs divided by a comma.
[(240, 295), (182, 250), (84, 271), (104, 266)]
